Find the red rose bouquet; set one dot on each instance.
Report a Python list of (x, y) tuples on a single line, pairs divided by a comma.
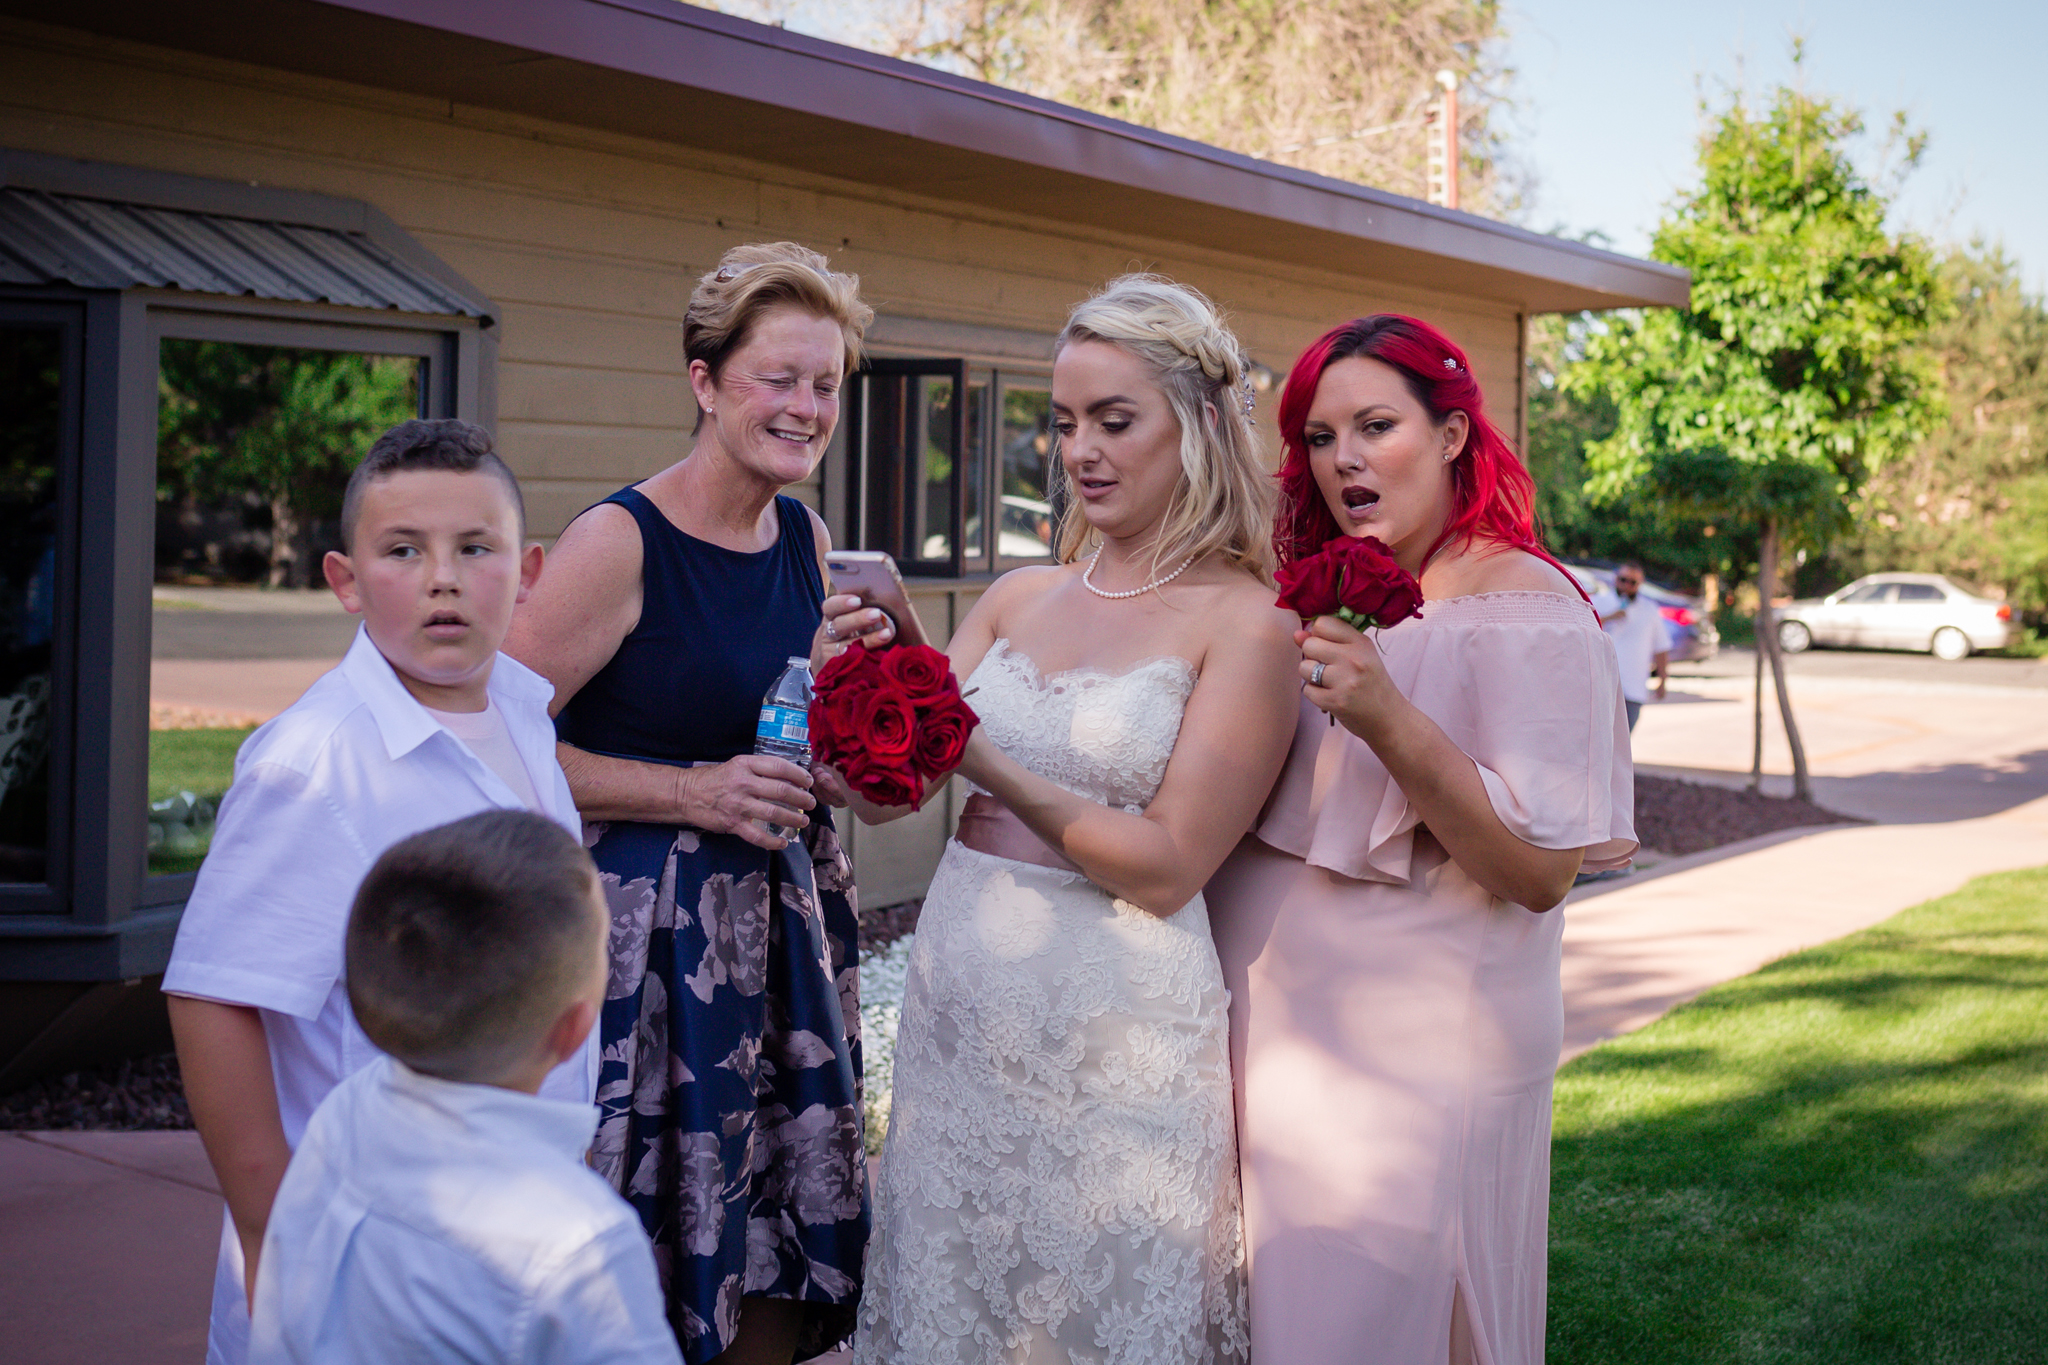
[(890, 720), (1353, 578)]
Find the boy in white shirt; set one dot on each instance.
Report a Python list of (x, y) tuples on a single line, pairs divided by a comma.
[(437, 1209), (423, 721)]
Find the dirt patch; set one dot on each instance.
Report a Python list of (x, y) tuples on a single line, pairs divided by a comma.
[(1678, 818), (125, 1097)]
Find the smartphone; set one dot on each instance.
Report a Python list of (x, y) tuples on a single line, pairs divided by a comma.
[(871, 576)]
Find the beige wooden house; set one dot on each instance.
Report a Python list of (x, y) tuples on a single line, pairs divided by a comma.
[(521, 193)]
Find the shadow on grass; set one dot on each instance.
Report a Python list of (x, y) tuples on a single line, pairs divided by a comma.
[(1841, 1158)]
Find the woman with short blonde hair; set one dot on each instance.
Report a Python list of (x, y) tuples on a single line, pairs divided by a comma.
[(729, 1108), (1060, 1176)]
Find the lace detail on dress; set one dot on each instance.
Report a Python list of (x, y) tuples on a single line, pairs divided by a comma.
[(1087, 729), (1059, 1183)]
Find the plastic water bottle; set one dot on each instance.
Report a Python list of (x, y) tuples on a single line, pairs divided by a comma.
[(785, 726)]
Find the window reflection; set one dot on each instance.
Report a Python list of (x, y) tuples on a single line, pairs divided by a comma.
[(1024, 463), (31, 417)]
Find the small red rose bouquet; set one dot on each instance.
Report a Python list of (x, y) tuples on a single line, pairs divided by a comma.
[(890, 720), (1353, 578)]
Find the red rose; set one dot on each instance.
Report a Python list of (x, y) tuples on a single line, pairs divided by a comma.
[(885, 723), (1354, 578), (1372, 585), (921, 671), (1308, 587), (942, 735), (852, 669), (886, 784)]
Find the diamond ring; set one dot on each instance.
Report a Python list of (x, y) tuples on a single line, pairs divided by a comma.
[(1315, 676), (831, 631)]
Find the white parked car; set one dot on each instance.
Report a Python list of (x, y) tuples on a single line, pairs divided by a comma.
[(1921, 611)]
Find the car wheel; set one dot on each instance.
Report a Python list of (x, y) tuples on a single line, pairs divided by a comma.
[(1950, 644), (1794, 637)]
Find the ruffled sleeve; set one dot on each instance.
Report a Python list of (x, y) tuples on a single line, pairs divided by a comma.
[(1527, 685)]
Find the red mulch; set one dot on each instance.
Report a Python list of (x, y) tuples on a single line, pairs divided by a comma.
[(1677, 817)]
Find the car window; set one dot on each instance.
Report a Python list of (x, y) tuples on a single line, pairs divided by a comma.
[(1921, 592), (1869, 592)]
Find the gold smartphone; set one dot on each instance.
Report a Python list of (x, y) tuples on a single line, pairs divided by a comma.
[(871, 576)]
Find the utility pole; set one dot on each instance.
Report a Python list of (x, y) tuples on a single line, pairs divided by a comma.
[(1441, 123)]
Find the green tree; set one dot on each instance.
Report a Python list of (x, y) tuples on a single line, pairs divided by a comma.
[(1564, 420), (1972, 499), (1799, 366), (285, 425)]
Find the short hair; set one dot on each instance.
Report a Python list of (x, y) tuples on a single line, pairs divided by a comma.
[(1635, 564), (754, 278), (466, 940), (425, 443), (1224, 500)]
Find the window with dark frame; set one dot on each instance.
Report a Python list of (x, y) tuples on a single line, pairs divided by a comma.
[(947, 467)]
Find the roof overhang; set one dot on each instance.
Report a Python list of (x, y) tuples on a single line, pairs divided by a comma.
[(664, 70)]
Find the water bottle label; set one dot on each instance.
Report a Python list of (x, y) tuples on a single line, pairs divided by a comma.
[(787, 724)]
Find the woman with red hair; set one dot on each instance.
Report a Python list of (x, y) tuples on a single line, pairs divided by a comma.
[(1388, 931)]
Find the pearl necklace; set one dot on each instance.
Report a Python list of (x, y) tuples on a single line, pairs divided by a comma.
[(1088, 579)]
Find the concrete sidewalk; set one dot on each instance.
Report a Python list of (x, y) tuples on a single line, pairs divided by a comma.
[(107, 1245)]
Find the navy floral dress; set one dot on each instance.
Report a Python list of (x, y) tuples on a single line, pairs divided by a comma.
[(729, 1091)]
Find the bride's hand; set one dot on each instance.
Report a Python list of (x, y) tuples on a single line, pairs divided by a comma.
[(1355, 687)]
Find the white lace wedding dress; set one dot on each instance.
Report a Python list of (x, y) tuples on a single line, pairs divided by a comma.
[(1059, 1184)]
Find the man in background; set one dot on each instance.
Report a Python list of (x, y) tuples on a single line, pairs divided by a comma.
[(1642, 640)]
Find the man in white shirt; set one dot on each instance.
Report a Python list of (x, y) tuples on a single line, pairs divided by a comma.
[(437, 1209), (1642, 639), (435, 564)]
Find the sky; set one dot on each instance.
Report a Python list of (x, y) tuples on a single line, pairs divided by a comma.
[(1607, 97)]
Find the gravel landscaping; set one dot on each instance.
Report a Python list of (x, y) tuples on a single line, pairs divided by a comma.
[(123, 1098)]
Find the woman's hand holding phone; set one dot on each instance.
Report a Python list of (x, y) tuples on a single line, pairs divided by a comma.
[(847, 620)]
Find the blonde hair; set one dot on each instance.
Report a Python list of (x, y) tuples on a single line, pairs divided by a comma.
[(1224, 501), (754, 278)]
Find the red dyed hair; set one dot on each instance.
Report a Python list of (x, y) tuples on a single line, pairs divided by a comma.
[(1493, 497)]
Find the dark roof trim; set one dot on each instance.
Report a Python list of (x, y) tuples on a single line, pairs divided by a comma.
[(661, 70), (680, 44), (115, 227)]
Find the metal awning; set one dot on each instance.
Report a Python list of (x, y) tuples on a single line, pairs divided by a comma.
[(50, 238)]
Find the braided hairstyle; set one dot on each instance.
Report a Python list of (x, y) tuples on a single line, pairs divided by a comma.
[(1224, 500), (1493, 499)]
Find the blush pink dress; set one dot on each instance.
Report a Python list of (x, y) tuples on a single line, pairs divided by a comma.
[(1394, 1027)]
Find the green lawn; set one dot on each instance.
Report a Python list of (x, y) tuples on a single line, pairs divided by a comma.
[(198, 761), (1842, 1158)]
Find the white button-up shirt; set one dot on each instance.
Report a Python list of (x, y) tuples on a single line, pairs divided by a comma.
[(425, 1220), (346, 771), (1639, 637)]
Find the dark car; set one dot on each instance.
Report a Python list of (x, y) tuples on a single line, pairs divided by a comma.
[(1693, 636)]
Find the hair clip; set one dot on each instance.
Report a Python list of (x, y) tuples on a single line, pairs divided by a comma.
[(1450, 362), (1250, 395), (728, 273)]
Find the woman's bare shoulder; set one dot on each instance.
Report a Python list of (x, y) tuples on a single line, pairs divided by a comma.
[(1507, 570), (605, 536)]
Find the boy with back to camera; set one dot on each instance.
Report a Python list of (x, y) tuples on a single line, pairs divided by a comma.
[(423, 721), (437, 1209)]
